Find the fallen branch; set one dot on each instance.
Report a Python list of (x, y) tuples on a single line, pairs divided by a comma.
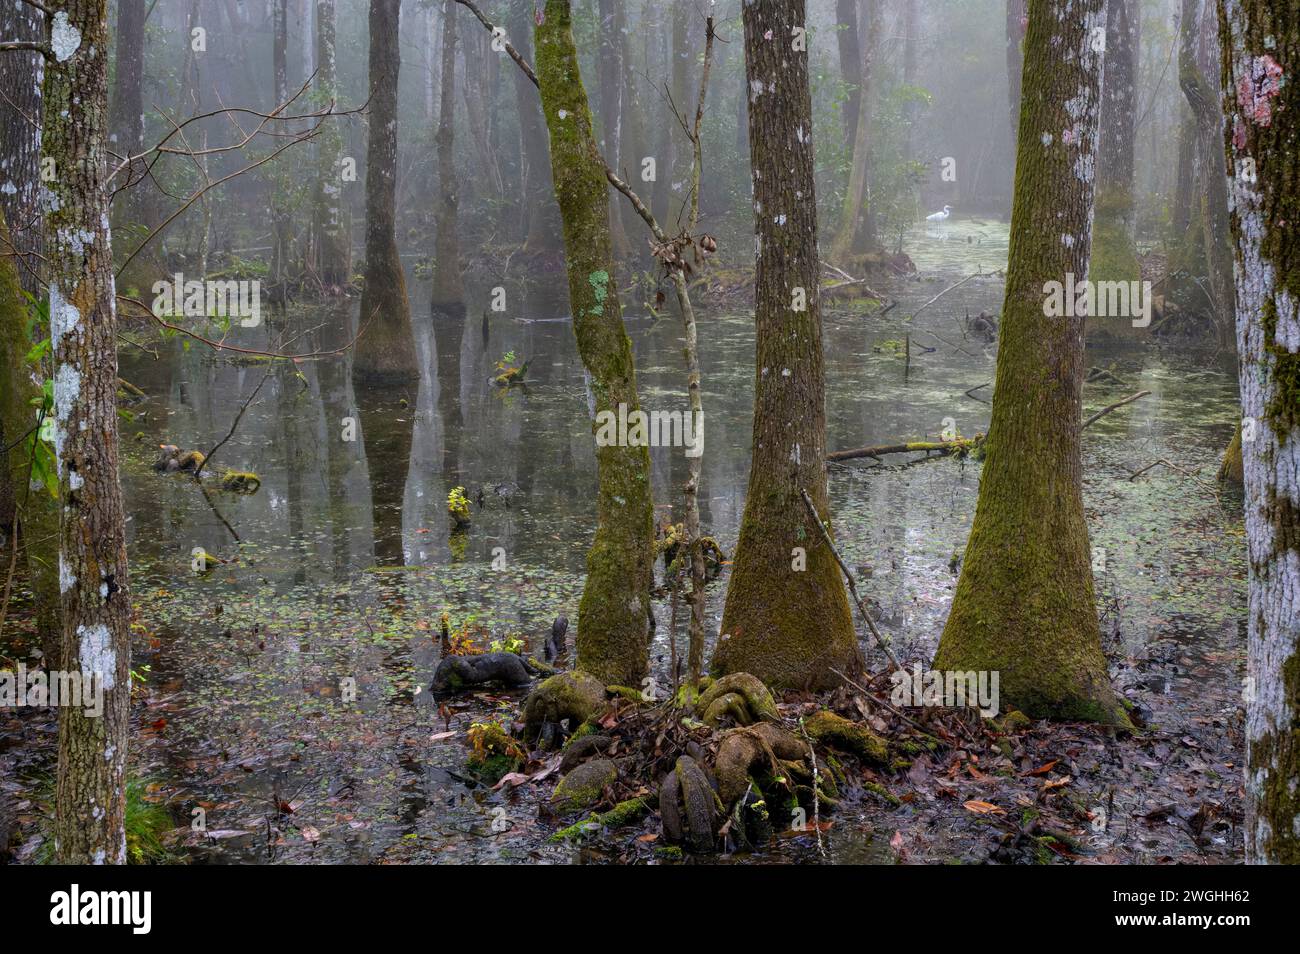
[(1110, 407), (949, 447)]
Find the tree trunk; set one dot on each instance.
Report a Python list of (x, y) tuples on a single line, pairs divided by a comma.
[(333, 244), (1015, 58), (857, 234), (386, 349), (281, 226), (448, 292), (1216, 233), (1024, 602), (1114, 253), (126, 117), (90, 799), (21, 250), (614, 621), (785, 622), (1260, 43), (850, 50)]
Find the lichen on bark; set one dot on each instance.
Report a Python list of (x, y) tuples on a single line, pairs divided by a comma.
[(787, 618)]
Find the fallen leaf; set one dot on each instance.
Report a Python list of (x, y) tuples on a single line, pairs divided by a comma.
[(983, 808)]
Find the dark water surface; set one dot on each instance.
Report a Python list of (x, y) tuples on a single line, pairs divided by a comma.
[(342, 564)]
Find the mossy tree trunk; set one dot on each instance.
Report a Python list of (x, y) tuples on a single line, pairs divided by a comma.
[(90, 796), (1114, 251), (333, 244), (21, 249), (386, 350), (856, 234), (614, 621), (785, 622), (1024, 602), (1261, 99), (448, 291)]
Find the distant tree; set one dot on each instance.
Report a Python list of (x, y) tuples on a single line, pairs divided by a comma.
[(333, 244), (448, 291), (1260, 49), (541, 216), (614, 621), (90, 799), (386, 349), (850, 51), (856, 234), (1114, 251), (1024, 602), (787, 618)]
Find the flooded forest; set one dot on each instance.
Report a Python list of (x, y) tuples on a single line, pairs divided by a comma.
[(649, 432)]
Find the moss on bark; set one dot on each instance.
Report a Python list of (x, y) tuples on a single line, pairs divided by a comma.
[(614, 621), (1024, 603)]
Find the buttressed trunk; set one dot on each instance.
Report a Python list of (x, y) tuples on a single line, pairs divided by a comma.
[(1261, 99), (787, 616), (386, 349), (1024, 602), (90, 799), (614, 622)]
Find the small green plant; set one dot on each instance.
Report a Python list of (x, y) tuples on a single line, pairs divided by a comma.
[(458, 508), (147, 821)]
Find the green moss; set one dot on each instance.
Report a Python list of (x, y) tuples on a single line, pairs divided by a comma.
[(584, 785), (624, 813), (830, 729), (614, 613)]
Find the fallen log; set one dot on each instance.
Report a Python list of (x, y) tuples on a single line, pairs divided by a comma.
[(942, 447)]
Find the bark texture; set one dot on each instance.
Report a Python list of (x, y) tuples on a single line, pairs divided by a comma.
[(1261, 101), (614, 621), (788, 626), (90, 800), (386, 349), (1024, 603)]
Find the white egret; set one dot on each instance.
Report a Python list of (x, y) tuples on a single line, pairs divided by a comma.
[(940, 216)]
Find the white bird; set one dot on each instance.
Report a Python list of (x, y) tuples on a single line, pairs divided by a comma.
[(940, 216)]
